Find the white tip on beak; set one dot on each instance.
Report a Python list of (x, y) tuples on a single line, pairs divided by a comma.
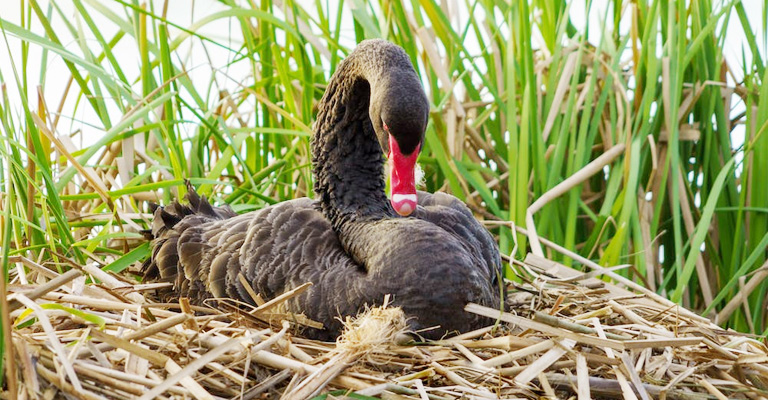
[(404, 204)]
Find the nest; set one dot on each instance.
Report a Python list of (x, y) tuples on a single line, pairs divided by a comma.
[(567, 334)]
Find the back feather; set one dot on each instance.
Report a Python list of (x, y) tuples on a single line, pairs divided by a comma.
[(167, 227)]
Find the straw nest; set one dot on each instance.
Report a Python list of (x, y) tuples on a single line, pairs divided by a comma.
[(567, 335)]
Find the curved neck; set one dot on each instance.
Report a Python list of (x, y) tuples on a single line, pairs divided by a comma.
[(347, 158)]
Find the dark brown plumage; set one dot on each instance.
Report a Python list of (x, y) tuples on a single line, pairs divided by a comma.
[(348, 242)]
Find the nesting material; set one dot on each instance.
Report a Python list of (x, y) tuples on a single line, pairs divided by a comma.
[(566, 335), (373, 330)]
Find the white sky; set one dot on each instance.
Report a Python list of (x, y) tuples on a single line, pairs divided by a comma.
[(200, 62)]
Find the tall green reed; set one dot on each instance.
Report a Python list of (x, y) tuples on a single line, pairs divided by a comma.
[(521, 100)]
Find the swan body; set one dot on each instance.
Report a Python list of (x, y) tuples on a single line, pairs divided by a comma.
[(351, 242)]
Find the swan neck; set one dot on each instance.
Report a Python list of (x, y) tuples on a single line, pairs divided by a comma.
[(348, 160)]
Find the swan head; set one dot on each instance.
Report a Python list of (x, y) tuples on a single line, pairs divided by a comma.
[(400, 115)]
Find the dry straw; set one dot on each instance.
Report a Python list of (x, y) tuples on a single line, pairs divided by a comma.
[(567, 334)]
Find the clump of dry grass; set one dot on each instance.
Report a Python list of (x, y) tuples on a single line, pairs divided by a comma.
[(376, 327), (372, 331)]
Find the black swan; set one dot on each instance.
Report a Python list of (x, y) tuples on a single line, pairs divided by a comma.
[(350, 242)]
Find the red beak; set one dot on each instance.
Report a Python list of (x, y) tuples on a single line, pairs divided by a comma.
[(403, 178)]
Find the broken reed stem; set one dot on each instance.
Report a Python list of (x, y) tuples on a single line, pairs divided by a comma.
[(612, 389), (563, 187), (315, 382), (157, 327), (155, 358), (65, 386), (101, 378), (126, 377), (561, 323), (281, 298), (616, 277), (111, 282), (267, 384), (209, 357), (58, 348), (48, 287)]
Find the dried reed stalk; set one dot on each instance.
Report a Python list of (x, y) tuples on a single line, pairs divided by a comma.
[(583, 337)]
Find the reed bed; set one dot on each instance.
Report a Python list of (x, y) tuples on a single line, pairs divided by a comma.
[(567, 334)]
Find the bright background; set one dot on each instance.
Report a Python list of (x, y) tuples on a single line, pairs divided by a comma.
[(109, 104)]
